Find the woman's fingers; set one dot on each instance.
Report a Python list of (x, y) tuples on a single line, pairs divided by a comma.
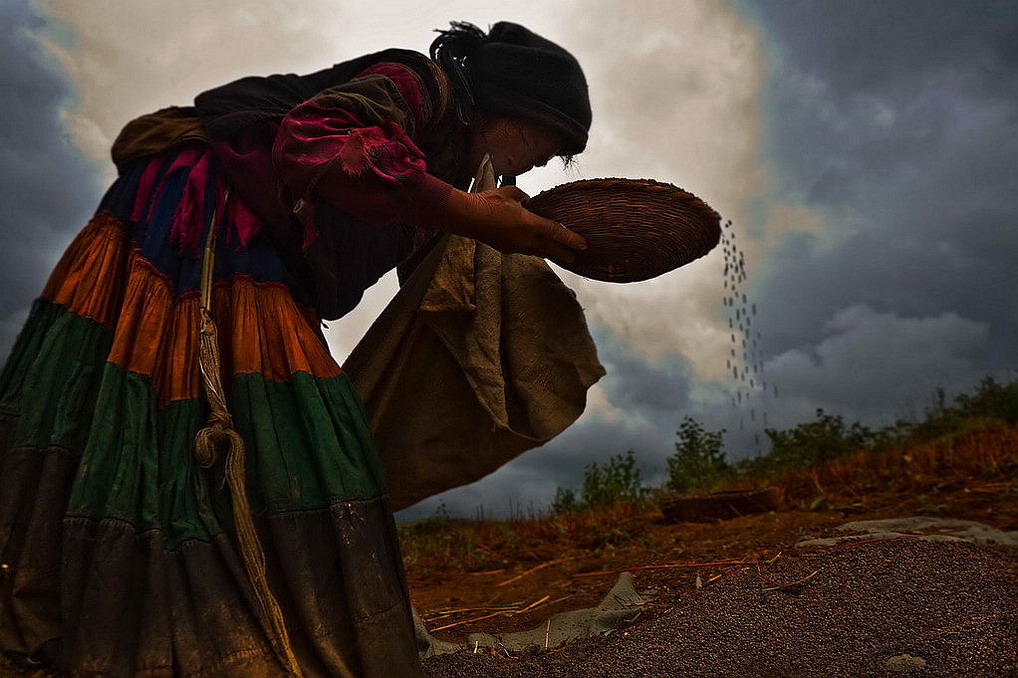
[(558, 253), (569, 238), (553, 230)]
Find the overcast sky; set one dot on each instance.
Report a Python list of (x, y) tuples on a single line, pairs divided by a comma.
[(865, 153)]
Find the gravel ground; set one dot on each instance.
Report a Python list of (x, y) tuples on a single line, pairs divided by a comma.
[(903, 607)]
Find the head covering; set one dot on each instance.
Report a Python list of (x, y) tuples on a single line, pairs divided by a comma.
[(513, 71)]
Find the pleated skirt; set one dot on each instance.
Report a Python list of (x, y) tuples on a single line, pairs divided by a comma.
[(117, 549)]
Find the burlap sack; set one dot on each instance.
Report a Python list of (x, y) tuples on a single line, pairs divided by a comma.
[(479, 357)]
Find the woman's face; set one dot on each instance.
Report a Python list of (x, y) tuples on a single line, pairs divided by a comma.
[(517, 146)]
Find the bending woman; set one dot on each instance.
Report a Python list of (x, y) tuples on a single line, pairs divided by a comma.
[(122, 552)]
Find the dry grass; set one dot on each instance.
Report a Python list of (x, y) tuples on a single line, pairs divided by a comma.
[(989, 453), (486, 545), (985, 457)]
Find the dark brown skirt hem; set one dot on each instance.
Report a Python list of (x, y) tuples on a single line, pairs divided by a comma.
[(125, 605)]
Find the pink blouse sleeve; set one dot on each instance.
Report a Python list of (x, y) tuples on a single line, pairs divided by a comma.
[(352, 146)]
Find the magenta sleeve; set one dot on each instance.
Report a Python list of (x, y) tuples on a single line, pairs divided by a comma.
[(375, 172)]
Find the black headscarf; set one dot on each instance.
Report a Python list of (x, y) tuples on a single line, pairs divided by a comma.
[(513, 71)]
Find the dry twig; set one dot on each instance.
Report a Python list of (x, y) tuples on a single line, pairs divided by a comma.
[(532, 605), (447, 612), (661, 567), (535, 569), (466, 621)]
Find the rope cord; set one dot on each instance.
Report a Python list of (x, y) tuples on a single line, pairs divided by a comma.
[(220, 434)]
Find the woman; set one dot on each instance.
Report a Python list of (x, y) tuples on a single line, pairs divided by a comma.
[(122, 552)]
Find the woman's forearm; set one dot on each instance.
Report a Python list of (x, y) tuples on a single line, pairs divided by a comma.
[(496, 217), (441, 207)]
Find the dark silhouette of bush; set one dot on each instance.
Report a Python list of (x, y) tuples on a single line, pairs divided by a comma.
[(617, 480), (699, 462), (699, 459)]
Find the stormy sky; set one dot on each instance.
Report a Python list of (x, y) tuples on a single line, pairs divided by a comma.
[(865, 153)]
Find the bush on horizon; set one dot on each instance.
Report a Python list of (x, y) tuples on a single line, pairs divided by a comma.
[(699, 462), (699, 459)]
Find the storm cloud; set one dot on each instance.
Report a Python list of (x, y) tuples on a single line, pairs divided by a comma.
[(898, 126), (876, 366), (47, 186)]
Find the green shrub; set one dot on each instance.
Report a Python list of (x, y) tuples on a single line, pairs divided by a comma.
[(822, 439), (698, 462), (699, 459), (564, 501), (998, 401), (617, 480)]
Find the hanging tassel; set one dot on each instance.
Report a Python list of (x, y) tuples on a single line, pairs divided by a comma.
[(220, 434)]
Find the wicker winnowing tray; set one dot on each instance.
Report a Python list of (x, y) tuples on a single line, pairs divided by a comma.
[(635, 229)]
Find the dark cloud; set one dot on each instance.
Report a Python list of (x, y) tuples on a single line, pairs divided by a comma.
[(635, 383), (863, 46), (47, 188), (878, 367), (898, 124)]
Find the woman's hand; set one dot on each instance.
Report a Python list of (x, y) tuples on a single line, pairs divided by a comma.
[(499, 219)]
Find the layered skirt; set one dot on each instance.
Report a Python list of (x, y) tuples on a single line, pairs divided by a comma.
[(117, 549)]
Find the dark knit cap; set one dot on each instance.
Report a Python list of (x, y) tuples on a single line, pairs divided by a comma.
[(513, 71)]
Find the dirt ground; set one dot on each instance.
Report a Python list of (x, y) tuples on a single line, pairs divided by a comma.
[(951, 606), (898, 607), (557, 572)]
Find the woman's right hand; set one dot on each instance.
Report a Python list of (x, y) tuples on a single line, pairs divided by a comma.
[(498, 218)]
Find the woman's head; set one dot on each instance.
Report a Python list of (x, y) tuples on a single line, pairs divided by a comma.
[(527, 95)]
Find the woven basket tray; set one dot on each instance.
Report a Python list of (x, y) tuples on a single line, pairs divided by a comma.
[(636, 229)]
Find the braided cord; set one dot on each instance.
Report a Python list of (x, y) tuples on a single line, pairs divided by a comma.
[(220, 434)]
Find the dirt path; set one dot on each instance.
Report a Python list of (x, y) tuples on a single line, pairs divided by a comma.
[(877, 608)]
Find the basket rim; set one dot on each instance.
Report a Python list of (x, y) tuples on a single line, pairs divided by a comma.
[(626, 185)]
